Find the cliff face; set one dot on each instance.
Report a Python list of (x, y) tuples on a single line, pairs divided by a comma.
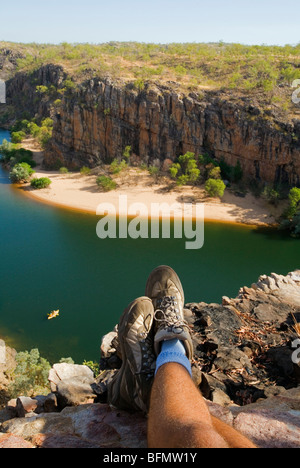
[(23, 100), (97, 122), (97, 119)]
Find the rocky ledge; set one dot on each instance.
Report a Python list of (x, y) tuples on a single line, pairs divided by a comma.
[(246, 364)]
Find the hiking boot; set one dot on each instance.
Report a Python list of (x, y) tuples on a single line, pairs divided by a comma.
[(131, 386), (165, 290)]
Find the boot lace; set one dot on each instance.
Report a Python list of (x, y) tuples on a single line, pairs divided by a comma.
[(167, 315)]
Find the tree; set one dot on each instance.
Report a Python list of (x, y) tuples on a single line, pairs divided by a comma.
[(215, 173), (30, 375), (21, 173), (294, 197), (215, 187), (186, 169), (174, 170)]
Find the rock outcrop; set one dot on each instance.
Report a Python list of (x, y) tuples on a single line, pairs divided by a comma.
[(246, 364)]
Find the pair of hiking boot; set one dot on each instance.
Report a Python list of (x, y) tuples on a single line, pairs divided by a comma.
[(145, 323)]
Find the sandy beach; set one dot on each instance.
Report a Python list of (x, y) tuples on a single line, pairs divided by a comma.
[(80, 192)]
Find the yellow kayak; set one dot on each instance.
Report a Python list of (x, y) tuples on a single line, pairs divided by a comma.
[(53, 314)]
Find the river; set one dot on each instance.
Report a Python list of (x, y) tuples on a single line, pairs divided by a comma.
[(51, 258)]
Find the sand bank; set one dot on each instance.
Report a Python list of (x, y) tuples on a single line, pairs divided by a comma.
[(78, 192)]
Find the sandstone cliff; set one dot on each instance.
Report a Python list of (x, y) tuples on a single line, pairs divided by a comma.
[(98, 118), (98, 121)]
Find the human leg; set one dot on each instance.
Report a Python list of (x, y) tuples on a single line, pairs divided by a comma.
[(179, 416)]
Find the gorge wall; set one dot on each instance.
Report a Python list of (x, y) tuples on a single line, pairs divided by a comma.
[(98, 118)]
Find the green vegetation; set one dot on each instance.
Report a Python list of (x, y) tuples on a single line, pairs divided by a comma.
[(21, 173), (30, 375), (127, 153), (85, 170), (23, 128), (106, 183), (42, 182), (231, 173), (153, 171), (64, 170), (116, 167), (291, 217), (17, 137), (185, 170), (215, 187), (294, 199), (94, 366), (192, 65), (271, 195), (13, 154)]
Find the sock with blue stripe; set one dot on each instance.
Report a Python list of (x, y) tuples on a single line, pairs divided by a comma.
[(173, 351)]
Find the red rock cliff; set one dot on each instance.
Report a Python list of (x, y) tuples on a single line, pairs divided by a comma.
[(100, 119)]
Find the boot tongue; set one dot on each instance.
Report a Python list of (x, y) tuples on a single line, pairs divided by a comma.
[(170, 290)]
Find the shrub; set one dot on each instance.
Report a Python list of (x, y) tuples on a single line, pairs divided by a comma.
[(42, 182), (153, 170), (182, 180), (117, 166), (17, 137), (27, 159), (30, 375), (85, 170), (294, 198), (215, 187), (231, 173), (215, 173), (106, 183), (186, 169), (127, 153), (13, 155), (94, 366), (21, 173), (64, 170), (139, 84), (42, 89), (292, 225), (174, 170), (271, 195)]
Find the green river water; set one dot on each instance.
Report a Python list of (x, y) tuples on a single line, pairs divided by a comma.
[(51, 258)]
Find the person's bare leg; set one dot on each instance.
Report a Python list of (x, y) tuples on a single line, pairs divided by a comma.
[(179, 417), (233, 438)]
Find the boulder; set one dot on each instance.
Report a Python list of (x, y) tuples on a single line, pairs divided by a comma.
[(12, 441), (86, 426), (65, 371)]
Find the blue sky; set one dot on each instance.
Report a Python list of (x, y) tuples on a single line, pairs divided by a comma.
[(160, 21)]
